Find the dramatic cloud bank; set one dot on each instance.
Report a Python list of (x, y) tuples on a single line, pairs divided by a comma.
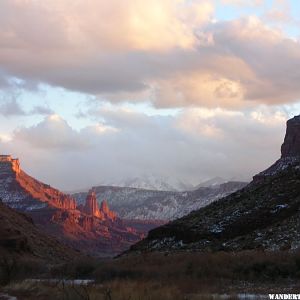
[(96, 89), (174, 50)]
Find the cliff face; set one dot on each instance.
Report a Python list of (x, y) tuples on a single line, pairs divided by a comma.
[(91, 207), (291, 145), (290, 152), (106, 211), (45, 193), (94, 230), (17, 187), (9, 166)]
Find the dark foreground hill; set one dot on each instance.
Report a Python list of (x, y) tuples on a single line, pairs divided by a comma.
[(19, 237), (263, 215)]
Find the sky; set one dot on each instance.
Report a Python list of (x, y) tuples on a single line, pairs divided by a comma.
[(95, 90)]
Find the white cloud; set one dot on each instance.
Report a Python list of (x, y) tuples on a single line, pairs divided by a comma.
[(280, 12), (243, 2), (11, 107), (195, 144), (55, 133)]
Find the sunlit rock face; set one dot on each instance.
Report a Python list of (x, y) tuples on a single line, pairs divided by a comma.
[(17, 186), (91, 207), (9, 165), (291, 145), (92, 229), (106, 211)]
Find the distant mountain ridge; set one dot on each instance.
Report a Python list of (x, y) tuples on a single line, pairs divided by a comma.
[(149, 182), (133, 203), (215, 181), (263, 215), (157, 183)]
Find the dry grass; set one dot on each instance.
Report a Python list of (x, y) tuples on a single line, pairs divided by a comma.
[(167, 276), (125, 290), (116, 290), (248, 266)]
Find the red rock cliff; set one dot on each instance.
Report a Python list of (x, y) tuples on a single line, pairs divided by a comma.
[(91, 205), (92, 208), (106, 211), (10, 168)]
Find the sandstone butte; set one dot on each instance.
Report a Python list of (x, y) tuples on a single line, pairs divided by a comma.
[(92, 208)]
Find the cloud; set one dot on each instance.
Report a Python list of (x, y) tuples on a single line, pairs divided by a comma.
[(246, 64), (3, 80), (272, 58), (11, 108), (225, 78), (194, 145), (42, 110), (279, 12), (4, 138), (196, 89), (55, 133), (243, 2), (170, 50), (89, 46)]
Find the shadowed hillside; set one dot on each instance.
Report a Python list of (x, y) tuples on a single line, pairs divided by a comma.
[(263, 215)]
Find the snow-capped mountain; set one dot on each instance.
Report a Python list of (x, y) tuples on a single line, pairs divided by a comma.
[(133, 203), (149, 182), (212, 182)]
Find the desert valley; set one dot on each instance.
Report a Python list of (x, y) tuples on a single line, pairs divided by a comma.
[(235, 221), (149, 150)]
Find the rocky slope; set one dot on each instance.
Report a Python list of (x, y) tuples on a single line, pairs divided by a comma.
[(20, 237), (94, 230), (132, 203), (263, 215)]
